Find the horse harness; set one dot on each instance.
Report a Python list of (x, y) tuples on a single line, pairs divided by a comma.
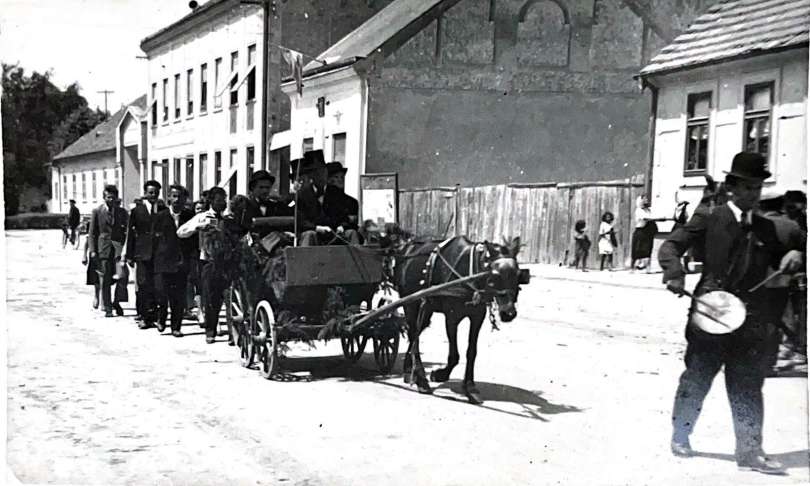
[(478, 252)]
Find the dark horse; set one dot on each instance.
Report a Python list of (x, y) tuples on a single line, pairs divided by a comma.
[(423, 264)]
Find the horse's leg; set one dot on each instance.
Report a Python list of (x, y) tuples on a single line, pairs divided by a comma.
[(411, 315), (470, 390), (422, 321), (452, 318)]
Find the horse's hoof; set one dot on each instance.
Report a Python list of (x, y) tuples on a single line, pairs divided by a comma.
[(423, 386), (472, 394), (439, 376)]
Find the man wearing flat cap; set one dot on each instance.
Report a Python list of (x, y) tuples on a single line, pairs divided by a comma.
[(261, 203), (741, 249), (312, 224), (341, 209)]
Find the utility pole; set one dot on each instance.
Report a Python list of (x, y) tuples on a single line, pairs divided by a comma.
[(106, 92)]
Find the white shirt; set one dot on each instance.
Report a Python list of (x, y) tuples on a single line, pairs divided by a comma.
[(176, 217), (194, 224), (738, 212)]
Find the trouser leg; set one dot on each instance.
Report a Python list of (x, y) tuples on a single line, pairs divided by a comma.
[(747, 365), (308, 238), (703, 362), (146, 285), (106, 267), (213, 287), (177, 299)]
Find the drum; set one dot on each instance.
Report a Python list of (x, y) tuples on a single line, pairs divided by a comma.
[(718, 312)]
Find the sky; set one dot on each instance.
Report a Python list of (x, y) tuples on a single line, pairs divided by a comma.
[(92, 42)]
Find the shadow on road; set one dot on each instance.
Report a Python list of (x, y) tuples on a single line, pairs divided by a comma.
[(532, 404), (790, 460)]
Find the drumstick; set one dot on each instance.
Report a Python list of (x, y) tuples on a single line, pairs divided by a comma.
[(706, 314), (768, 279), (701, 301)]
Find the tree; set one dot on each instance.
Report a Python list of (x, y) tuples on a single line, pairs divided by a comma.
[(39, 121)]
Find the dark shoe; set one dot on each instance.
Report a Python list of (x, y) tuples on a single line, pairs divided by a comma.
[(144, 325), (138, 318), (161, 326), (118, 310), (681, 448), (108, 313), (177, 333), (762, 464), (209, 340)]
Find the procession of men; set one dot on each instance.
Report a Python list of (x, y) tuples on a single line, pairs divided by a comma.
[(168, 242)]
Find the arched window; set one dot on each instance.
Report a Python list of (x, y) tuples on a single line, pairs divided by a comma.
[(543, 34)]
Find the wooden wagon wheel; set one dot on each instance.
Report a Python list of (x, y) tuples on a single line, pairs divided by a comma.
[(353, 347), (235, 314), (385, 352), (386, 347), (266, 340)]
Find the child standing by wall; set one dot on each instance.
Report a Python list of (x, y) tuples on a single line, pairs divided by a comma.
[(607, 241), (582, 245)]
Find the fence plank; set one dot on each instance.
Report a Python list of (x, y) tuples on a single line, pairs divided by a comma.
[(543, 215)]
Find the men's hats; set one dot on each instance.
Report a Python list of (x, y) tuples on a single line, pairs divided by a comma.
[(311, 161), (333, 168), (261, 175), (749, 165), (72, 201)]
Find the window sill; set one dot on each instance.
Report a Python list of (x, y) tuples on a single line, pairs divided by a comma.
[(217, 110), (251, 102), (695, 173), (189, 117), (233, 106), (177, 120), (202, 113)]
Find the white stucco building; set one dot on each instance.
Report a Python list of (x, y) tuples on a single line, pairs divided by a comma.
[(735, 80), (203, 116), (82, 169)]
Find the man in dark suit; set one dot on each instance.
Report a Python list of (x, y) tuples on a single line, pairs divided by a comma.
[(74, 219), (172, 260), (261, 203), (741, 249), (341, 209), (108, 226), (140, 248), (312, 224)]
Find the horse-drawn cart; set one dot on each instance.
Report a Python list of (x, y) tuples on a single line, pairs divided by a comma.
[(311, 293)]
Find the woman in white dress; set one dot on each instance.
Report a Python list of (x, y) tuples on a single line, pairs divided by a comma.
[(607, 241)]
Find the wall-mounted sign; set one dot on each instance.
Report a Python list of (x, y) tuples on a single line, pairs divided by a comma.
[(379, 195)]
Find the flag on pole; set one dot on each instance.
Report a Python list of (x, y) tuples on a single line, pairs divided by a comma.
[(296, 61)]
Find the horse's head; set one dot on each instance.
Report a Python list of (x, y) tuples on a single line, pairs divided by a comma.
[(505, 276)]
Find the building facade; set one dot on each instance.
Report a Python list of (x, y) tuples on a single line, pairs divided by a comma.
[(81, 171), (746, 93), (207, 82), (203, 116), (480, 92)]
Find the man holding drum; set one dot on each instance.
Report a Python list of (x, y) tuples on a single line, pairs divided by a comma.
[(741, 250)]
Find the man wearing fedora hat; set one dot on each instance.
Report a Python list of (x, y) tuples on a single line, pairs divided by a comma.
[(341, 209), (741, 248), (312, 224), (261, 203)]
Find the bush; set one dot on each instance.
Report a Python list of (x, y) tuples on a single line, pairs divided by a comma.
[(35, 221)]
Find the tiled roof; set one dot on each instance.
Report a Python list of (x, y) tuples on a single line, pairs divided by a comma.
[(736, 28), (376, 31), (102, 137)]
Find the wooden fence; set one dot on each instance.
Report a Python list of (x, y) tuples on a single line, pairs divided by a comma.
[(543, 215)]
